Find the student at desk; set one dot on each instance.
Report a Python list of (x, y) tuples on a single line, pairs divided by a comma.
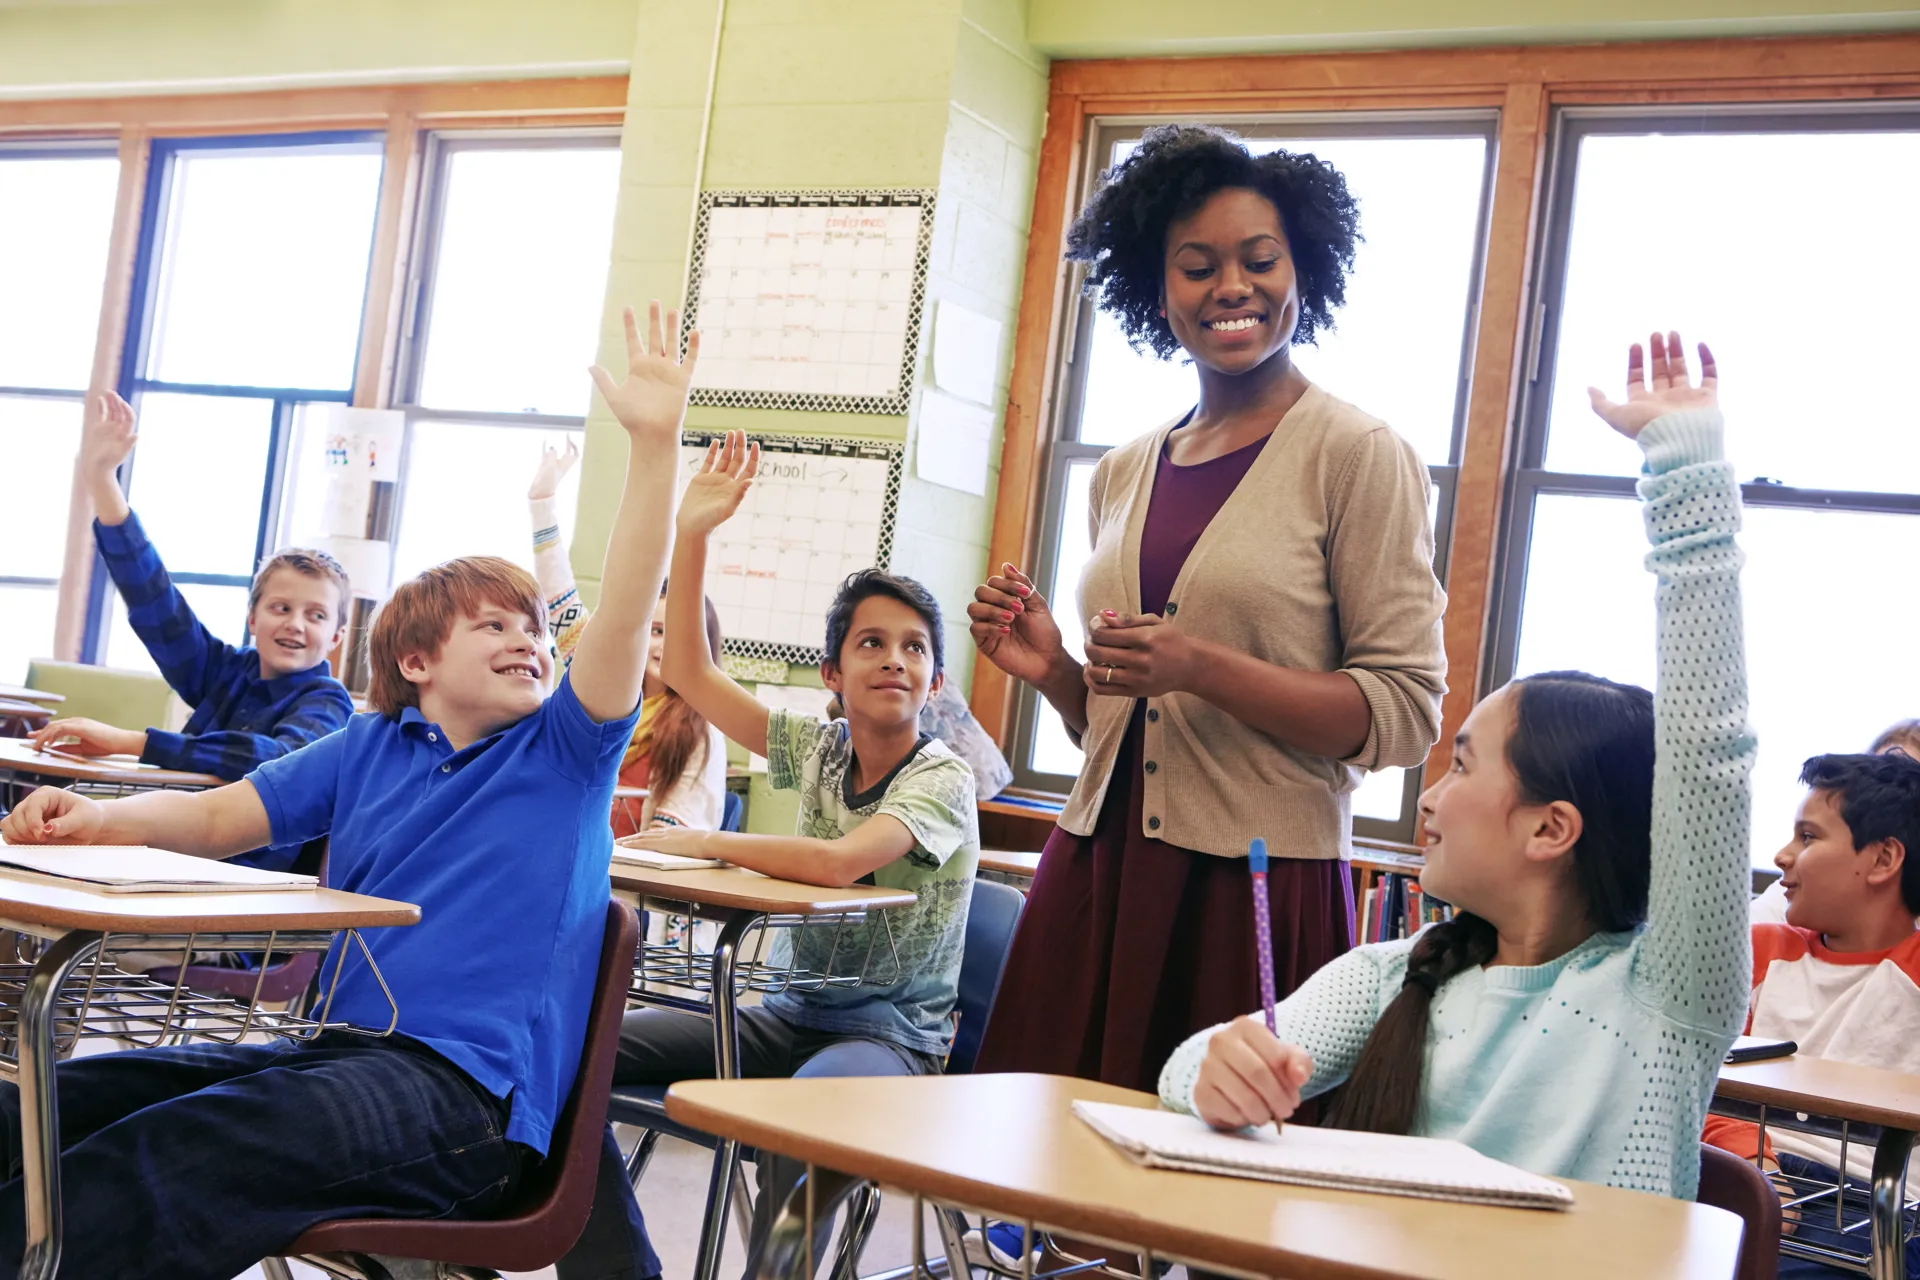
[(471, 793), (880, 803), (1840, 976), (1593, 838), (250, 704), (675, 754)]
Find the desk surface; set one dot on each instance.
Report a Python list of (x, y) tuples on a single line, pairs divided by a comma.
[(19, 708), (630, 793), (743, 890), (1009, 862), (1008, 1145), (17, 755), (1818, 1086), (21, 693), (34, 906)]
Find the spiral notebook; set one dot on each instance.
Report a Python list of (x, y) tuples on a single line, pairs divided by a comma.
[(654, 860), (1334, 1159), (115, 868)]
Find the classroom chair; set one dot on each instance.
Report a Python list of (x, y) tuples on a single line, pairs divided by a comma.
[(129, 699), (733, 811), (1736, 1185), (285, 983), (992, 915), (553, 1203)]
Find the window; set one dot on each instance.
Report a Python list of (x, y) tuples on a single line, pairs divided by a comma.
[(248, 302), (1423, 187), (56, 221), (516, 232), (1813, 332)]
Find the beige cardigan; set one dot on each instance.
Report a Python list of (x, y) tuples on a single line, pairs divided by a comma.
[(1321, 560)]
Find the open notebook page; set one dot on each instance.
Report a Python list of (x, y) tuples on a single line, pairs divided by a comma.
[(116, 868), (1337, 1159)]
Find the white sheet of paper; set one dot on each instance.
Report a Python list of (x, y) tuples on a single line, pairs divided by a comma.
[(954, 440), (369, 564), (798, 698), (966, 351)]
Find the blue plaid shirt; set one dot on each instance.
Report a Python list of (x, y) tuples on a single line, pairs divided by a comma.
[(239, 720)]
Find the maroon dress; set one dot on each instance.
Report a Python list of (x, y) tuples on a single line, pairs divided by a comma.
[(1129, 944)]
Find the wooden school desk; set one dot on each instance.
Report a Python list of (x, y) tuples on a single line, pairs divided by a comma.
[(1014, 866), (18, 718), (20, 693), (1009, 1146), (22, 768), (1861, 1095), (741, 902), (77, 922), (630, 801)]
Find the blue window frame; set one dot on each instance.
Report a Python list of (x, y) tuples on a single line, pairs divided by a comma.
[(249, 294)]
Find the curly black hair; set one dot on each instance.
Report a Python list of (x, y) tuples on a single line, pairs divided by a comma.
[(1122, 233)]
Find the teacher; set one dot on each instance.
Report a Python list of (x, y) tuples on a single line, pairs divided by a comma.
[(1263, 625)]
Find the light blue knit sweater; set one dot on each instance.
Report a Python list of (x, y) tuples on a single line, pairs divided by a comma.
[(1600, 1064)]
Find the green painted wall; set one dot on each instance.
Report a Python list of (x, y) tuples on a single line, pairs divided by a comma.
[(70, 49), (1153, 28), (937, 94)]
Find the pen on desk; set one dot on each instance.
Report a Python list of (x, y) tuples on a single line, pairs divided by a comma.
[(1262, 925)]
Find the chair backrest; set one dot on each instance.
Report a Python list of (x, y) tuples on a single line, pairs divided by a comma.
[(131, 699), (1730, 1183), (732, 810), (554, 1199), (991, 920)]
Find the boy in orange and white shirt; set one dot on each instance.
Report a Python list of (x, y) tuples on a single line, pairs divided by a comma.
[(1841, 978)]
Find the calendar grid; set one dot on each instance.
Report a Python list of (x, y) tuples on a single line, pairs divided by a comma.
[(820, 509), (809, 299)]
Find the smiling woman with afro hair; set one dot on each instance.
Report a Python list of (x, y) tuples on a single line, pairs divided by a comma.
[(1263, 623)]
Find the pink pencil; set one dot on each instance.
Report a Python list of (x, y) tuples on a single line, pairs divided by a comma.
[(1262, 925)]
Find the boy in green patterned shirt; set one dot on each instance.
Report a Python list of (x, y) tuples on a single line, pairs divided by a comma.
[(880, 803)]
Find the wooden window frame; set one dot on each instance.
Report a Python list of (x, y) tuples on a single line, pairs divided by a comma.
[(1526, 85), (403, 113)]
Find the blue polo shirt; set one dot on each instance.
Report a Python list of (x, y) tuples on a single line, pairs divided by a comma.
[(505, 847)]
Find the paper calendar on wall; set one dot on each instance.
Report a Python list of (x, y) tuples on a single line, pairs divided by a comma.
[(809, 299), (818, 511)]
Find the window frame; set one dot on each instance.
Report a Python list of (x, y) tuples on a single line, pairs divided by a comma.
[(51, 149), (1065, 449), (1529, 477), (438, 148), (133, 382)]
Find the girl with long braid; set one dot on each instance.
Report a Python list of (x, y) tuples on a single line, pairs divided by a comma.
[(1593, 839)]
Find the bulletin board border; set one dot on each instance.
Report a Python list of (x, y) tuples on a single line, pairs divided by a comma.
[(893, 451), (852, 198)]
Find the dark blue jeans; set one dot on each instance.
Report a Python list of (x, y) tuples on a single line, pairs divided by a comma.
[(193, 1163), (661, 1046), (1816, 1227)]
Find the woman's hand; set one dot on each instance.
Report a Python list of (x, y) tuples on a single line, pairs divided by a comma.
[(1138, 656), (554, 465), (1668, 391), (53, 816), (1011, 623), (683, 842), (721, 484), (83, 737), (1248, 1077)]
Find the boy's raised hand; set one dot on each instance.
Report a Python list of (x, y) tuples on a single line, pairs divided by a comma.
[(717, 489), (109, 435), (1658, 386), (553, 468), (652, 401)]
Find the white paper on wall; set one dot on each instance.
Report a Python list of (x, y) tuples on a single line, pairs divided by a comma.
[(966, 352), (953, 443)]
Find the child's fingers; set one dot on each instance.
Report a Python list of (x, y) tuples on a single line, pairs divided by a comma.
[(631, 323), (1022, 583), (1226, 1102), (656, 338), (693, 353), (672, 351), (1247, 1062), (990, 615), (603, 380), (994, 592), (753, 461)]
